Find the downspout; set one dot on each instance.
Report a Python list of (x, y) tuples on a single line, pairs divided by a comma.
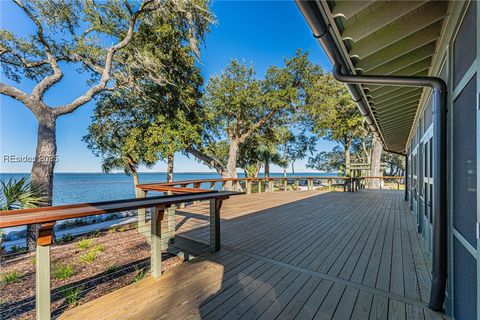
[(439, 263), (311, 11)]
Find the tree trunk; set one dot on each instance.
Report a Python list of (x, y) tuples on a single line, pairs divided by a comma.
[(347, 159), (231, 163), (293, 168), (285, 160), (375, 164), (232, 158), (267, 169), (170, 161), (43, 167)]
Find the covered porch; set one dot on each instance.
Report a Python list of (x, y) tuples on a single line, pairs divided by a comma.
[(289, 255)]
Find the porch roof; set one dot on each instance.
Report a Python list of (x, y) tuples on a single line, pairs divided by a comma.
[(388, 38)]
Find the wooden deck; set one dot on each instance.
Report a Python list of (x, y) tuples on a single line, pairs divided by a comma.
[(289, 255)]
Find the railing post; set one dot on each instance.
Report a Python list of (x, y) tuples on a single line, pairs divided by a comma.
[(249, 186), (259, 185), (237, 185), (156, 241), (215, 205), (310, 184), (141, 214), (285, 184), (297, 184), (329, 184), (42, 265), (270, 185)]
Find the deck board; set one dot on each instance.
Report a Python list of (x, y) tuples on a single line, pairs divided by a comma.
[(289, 255)]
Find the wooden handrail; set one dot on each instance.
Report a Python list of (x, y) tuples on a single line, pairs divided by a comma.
[(15, 218)]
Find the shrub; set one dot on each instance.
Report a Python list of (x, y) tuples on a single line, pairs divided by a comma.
[(63, 271), (10, 277), (99, 248), (89, 257), (16, 249), (67, 237), (111, 269), (139, 274), (72, 295), (84, 244)]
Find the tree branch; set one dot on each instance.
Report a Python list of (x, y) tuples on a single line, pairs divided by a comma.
[(211, 162), (102, 85), (257, 125), (57, 75), (21, 96)]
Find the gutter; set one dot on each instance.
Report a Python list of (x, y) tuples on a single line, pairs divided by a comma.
[(320, 30)]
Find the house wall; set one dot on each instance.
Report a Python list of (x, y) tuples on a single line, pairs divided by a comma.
[(459, 67)]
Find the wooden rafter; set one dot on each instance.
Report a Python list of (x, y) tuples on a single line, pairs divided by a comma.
[(424, 17), (347, 9), (375, 20), (414, 41)]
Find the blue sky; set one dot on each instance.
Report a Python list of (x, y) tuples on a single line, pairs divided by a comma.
[(261, 32)]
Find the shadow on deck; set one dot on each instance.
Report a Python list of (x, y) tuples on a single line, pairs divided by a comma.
[(289, 255)]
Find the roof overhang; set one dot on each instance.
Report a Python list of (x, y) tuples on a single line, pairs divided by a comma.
[(381, 38)]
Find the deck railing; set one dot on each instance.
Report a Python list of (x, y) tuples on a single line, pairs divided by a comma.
[(270, 184), (162, 227)]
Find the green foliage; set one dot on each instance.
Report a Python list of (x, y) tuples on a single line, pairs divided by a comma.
[(19, 194), (89, 257), (238, 106), (63, 271), (17, 249), (11, 277), (84, 244), (99, 248), (329, 161), (140, 273), (67, 237), (111, 269), (72, 295)]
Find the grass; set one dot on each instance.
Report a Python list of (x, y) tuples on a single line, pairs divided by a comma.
[(63, 271), (99, 248), (84, 244), (16, 249), (67, 237), (89, 257), (11, 277), (111, 269), (139, 274), (72, 295)]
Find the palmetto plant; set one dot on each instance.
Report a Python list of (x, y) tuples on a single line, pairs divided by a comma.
[(19, 194)]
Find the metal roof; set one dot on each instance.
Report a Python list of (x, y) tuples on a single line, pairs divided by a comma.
[(388, 38)]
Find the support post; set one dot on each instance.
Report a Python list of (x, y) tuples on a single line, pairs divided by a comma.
[(156, 241), (329, 184), (285, 184), (309, 184), (42, 265), (249, 186), (259, 185), (215, 206), (297, 184), (406, 177), (270, 185)]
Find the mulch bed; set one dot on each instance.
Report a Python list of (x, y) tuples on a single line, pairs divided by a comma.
[(111, 260)]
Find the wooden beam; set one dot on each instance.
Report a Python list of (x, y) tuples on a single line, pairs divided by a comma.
[(156, 241), (347, 9), (414, 41), (424, 17), (399, 94), (386, 107), (405, 60), (378, 18)]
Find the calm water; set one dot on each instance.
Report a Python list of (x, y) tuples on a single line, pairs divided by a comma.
[(87, 187)]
